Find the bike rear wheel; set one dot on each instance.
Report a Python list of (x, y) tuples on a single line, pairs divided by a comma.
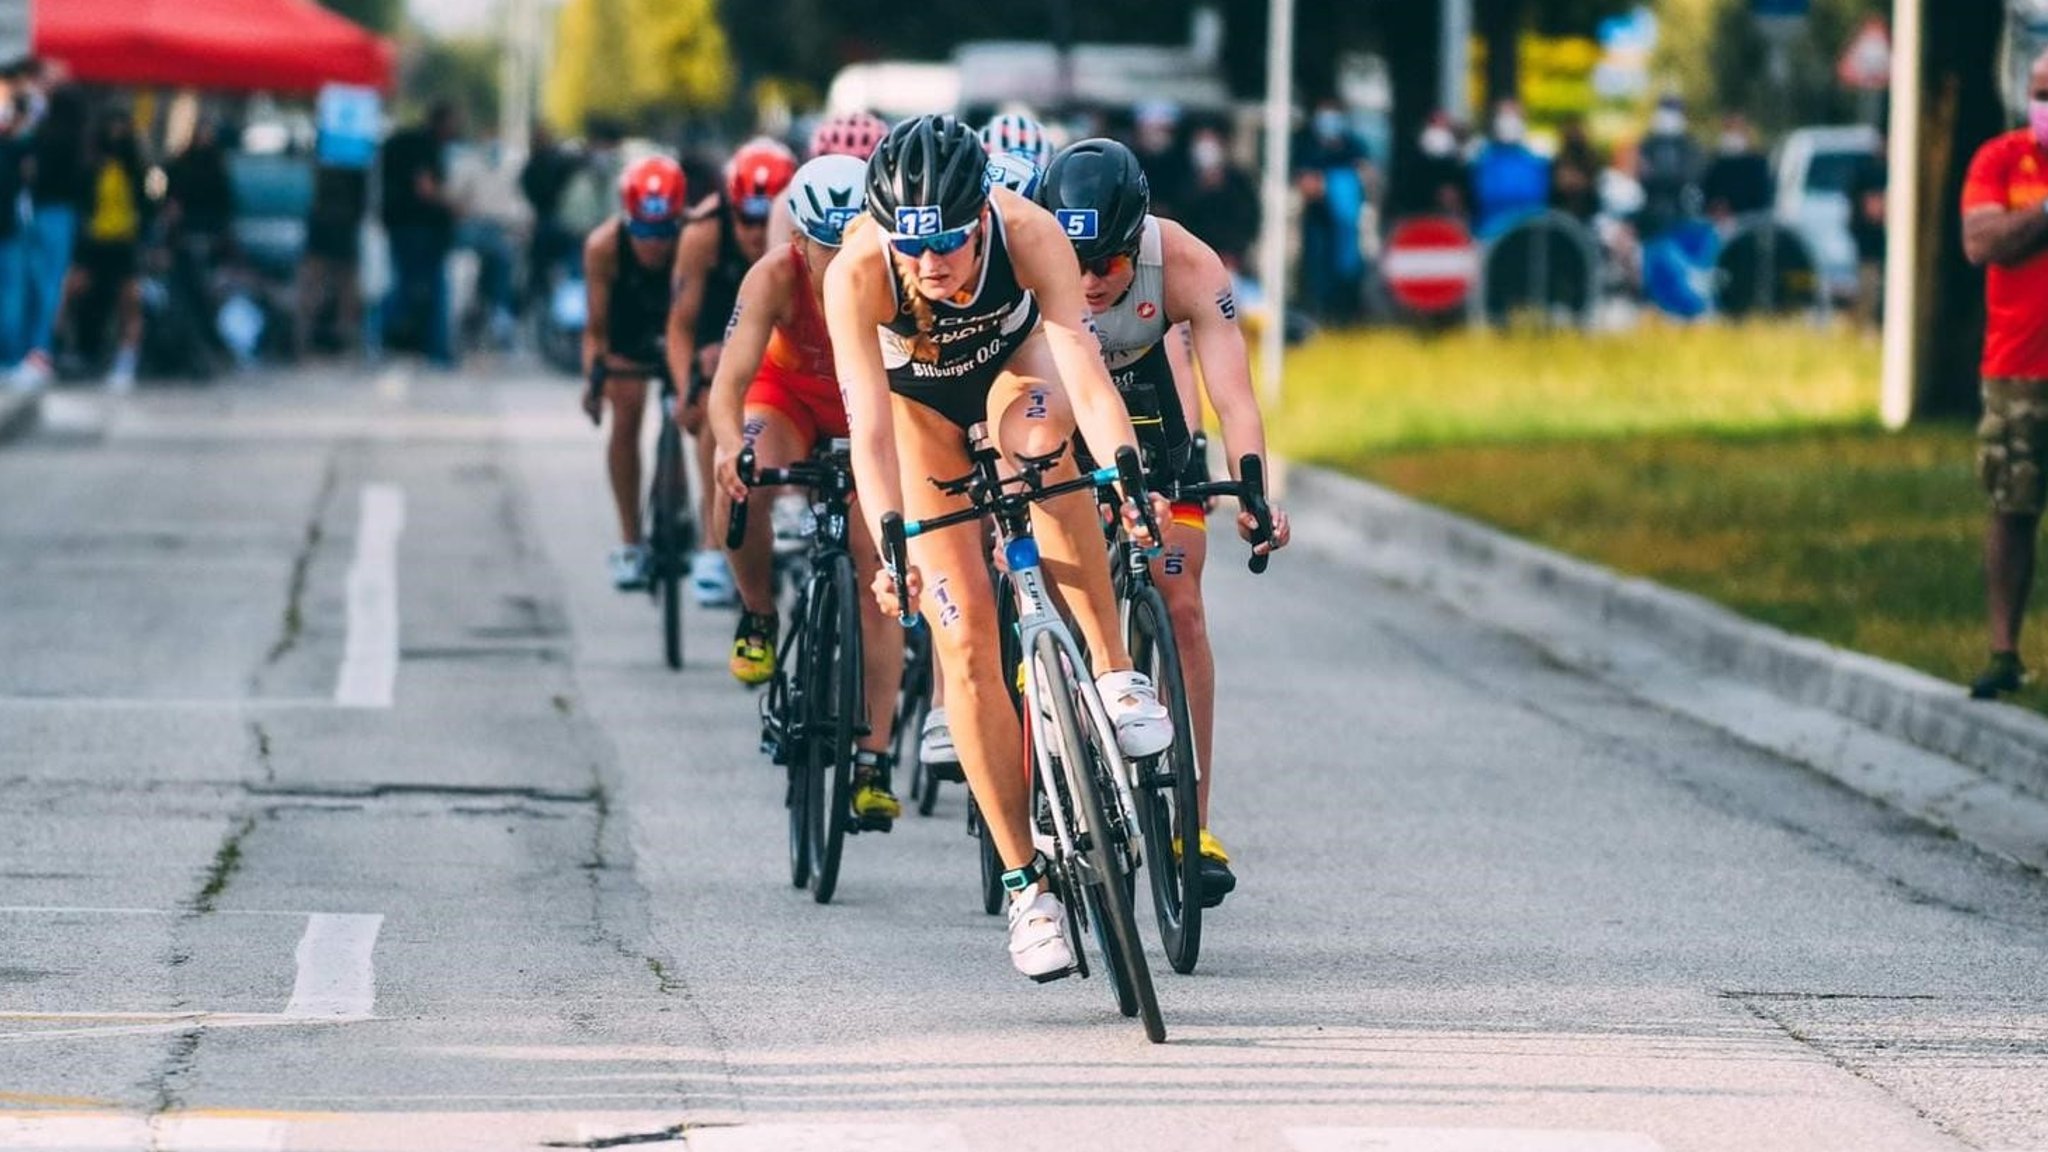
[(834, 697), (668, 505), (1103, 866), (1168, 793), (788, 711)]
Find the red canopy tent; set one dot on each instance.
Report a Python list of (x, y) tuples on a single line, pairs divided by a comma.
[(242, 45)]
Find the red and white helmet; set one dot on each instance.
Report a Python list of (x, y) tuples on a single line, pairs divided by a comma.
[(653, 195), (756, 176), (1020, 135), (854, 134)]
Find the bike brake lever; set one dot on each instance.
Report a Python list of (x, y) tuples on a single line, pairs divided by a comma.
[(736, 521), (896, 558), (1251, 472)]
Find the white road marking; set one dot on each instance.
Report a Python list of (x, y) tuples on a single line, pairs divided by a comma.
[(60, 910), (369, 665), (1465, 1140), (337, 979), (827, 1138)]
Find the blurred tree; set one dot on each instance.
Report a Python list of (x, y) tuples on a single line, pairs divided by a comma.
[(1734, 73), (681, 62), (461, 70), (381, 16), (593, 64)]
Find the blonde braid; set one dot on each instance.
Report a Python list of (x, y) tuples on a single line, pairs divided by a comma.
[(923, 348)]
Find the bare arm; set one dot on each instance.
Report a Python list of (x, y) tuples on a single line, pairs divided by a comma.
[(1045, 263), (2004, 236), (856, 300), (600, 264), (763, 302), (695, 253), (1198, 291)]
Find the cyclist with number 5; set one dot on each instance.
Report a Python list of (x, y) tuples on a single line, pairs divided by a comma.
[(626, 262), (957, 306), (1142, 276), (776, 392)]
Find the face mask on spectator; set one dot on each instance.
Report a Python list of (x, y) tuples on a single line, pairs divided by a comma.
[(2037, 115), (1667, 122), (1329, 123), (1207, 153), (1508, 128), (1438, 141), (1734, 143)]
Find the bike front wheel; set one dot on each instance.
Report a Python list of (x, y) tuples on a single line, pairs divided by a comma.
[(833, 674), (1168, 793), (1103, 866), (668, 510)]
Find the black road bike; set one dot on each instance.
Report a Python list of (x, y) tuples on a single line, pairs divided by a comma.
[(671, 532), (813, 711), (1168, 788)]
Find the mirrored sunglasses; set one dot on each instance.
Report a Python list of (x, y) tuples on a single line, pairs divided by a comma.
[(938, 243), (1105, 267)]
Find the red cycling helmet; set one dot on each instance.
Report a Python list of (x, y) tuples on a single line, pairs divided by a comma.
[(756, 176), (855, 134), (653, 195)]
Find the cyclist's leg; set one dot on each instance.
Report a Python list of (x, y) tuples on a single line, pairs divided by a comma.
[(626, 390), (777, 442), (1178, 571), (1032, 417), (959, 606)]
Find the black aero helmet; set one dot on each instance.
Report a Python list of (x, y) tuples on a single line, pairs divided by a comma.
[(1098, 191), (930, 174)]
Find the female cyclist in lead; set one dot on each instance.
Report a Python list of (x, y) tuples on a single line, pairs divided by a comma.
[(956, 306), (776, 392)]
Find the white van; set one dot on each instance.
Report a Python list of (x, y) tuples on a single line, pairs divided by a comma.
[(1816, 168)]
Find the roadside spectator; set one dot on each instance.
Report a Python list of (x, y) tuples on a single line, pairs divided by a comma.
[(14, 278), (199, 209), (58, 194), (1156, 142), (1331, 173), (1668, 166), (110, 242), (420, 219), (1438, 183), (329, 274), (1575, 174), (1867, 228), (592, 191), (1222, 201), (1509, 181), (542, 181), (495, 224), (1738, 182), (2005, 231)]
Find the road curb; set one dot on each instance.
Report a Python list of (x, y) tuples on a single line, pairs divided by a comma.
[(1473, 566), (19, 412)]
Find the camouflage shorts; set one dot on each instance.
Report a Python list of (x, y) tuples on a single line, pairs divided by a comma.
[(2012, 445)]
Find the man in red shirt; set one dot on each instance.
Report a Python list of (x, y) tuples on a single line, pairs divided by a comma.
[(2005, 231)]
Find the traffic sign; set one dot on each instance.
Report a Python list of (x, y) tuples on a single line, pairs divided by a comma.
[(1431, 264), (1866, 64)]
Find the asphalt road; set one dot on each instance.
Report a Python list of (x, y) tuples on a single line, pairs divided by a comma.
[(259, 892)]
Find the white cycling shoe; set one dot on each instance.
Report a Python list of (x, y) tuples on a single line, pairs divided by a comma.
[(1143, 726), (935, 745), (711, 581), (628, 566), (1038, 935)]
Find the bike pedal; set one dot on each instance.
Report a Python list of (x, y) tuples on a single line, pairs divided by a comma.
[(1059, 974), (872, 824)]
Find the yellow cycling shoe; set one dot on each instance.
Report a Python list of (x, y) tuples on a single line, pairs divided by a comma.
[(875, 807), (1218, 880), (753, 649)]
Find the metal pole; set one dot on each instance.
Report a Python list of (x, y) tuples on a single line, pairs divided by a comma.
[(1902, 221), (1454, 87), (1273, 241)]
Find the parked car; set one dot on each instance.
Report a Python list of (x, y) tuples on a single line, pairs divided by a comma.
[(1816, 167)]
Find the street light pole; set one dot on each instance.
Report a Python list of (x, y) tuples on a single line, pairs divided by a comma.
[(1273, 238), (1455, 85), (1902, 216)]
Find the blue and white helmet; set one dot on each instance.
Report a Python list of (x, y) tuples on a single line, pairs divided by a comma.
[(1015, 171), (825, 195), (1017, 134)]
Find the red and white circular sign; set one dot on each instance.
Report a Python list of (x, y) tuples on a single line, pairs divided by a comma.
[(1431, 263)]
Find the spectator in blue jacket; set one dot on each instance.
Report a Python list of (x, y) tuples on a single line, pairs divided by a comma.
[(1509, 181)]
